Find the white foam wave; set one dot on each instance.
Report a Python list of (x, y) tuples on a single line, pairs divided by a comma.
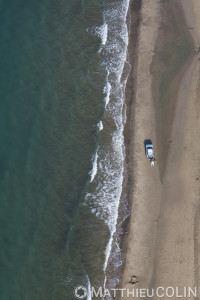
[(89, 295), (94, 167), (104, 33), (100, 125), (111, 158), (101, 31), (107, 90), (107, 252)]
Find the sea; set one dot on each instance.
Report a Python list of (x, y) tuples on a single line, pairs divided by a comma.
[(63, 72)]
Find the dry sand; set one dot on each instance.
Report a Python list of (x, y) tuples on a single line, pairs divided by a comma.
[(163, 244)]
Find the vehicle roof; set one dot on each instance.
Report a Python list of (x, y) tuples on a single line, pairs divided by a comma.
[(150, 151), (149, 146)]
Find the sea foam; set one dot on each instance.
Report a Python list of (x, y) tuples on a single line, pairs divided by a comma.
[(94, 168), (100, 125), (108, 165), (89, 296), (107, 89)]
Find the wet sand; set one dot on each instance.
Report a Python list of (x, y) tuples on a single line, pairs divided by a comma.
[(162, 247)]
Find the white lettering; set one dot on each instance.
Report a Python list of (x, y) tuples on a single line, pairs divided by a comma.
[(185, 292), (98, 293), (177, 293), (160, 288), (107, 293), (142, 293), (172, 291), (152, 293), (160, 292), (114, 294), (137, 293), (128, 293), (122, 290), (194, 293)]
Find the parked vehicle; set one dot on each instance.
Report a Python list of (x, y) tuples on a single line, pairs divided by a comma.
[(150, 153)]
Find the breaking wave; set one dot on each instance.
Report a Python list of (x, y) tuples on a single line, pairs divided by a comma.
[(104, 194)]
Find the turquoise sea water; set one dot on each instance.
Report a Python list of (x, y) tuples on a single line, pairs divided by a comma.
[(58, 88)]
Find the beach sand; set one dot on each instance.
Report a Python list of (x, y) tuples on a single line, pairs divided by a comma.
[(162, 246)]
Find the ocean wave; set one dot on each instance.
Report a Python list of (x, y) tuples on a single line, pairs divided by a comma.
[(89, 295), (100, 125), (103, 33), (94, 168), (108, 169), (107, 89)]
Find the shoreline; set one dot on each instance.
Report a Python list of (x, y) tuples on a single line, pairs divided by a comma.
[(142, 251), (134, 18)]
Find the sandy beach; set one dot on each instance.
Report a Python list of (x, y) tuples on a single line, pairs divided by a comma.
[(162, 246)]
